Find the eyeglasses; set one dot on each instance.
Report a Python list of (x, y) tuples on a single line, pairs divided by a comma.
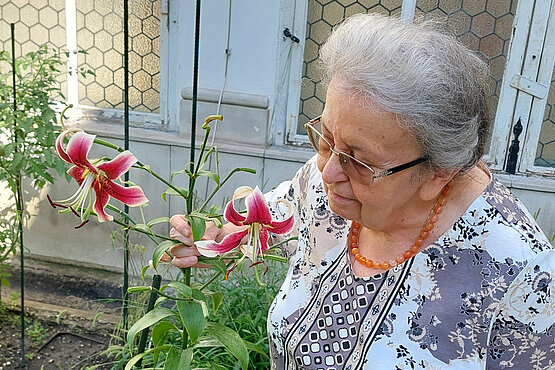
[(355, 169)]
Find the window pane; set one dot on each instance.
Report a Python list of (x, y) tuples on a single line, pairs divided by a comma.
[(320, 20), (36, 24), (545, 154), (483, 26), (100, 35)]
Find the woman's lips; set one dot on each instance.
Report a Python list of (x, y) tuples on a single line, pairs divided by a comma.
[(338, 198)]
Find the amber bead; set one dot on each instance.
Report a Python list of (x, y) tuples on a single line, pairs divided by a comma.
[(385, 265), (369, 263)]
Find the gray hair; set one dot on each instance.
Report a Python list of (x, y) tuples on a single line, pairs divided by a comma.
[(434, 84)]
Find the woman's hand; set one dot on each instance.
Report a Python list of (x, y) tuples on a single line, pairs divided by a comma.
[(186, 254)]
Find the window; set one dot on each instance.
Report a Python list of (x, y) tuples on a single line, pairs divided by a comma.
[(483, 26), (95, 28)]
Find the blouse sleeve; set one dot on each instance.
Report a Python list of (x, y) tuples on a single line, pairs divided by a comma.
[(522, 329)]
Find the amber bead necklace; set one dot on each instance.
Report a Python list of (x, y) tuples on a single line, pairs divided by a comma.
[(415, 247)]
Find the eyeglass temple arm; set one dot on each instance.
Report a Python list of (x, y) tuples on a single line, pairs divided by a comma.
[(402, 167)]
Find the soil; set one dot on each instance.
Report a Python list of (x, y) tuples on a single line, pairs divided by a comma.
[(70, 314), (49, 345)]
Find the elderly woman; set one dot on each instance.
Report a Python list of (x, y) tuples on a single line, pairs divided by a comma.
[(409, 254)]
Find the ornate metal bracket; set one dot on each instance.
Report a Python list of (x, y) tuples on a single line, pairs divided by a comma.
[(514, 148)]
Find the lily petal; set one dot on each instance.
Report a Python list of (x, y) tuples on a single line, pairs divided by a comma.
[(263, 237), (119, 165), (77, 173), (132, 195), (78, 149), (231, 213), (281, 227), (102, 199), (60, 146), (257, 208), (210, 248)]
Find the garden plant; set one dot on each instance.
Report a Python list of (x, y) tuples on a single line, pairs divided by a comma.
[(27, 134), (183, 316)]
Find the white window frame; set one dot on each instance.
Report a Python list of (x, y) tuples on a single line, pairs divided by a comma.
[(529, 38), (81, 110), (525, 86), (298, 26)]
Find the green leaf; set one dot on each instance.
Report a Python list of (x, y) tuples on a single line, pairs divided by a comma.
[(4, 282), (160, 249), (199, 295), (231, 341), (253, 347), (150, 318), (217, 263), (137, 358), (192, 317), (189, 173), (212, 175), (160, 331), (142, 227), (179, 359), (198, 226), (217, 298), (158, 220), (181, 191), (182, 290), (143, 271)]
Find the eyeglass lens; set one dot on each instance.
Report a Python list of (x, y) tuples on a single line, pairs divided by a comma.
[(351, 166)]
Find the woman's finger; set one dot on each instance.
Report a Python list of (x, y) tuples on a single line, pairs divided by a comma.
[(185, 239), (181, 250), (184, 262)]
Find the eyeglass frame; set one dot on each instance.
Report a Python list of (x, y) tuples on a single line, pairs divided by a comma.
[(310, 126)]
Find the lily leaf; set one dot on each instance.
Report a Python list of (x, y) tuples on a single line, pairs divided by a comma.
[(187, 172), (160, 249), (137, 358), (152, 317), (182, 290), (212, 175), (181, 191), (193, 319), (253, 347), (217, 263), (198, 226), (158, 220), (160, 330), (231, 341), (217, 298), (179, 359), (142, 227)]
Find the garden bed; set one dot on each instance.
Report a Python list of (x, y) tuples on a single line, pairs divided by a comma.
[(70, 314)]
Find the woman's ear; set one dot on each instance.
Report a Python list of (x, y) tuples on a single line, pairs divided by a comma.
[(432, 186)]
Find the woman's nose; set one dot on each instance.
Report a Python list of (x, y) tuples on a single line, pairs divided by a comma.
[(332, 171)]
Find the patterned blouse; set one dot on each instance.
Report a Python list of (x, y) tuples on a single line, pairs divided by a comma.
[(480, 297)]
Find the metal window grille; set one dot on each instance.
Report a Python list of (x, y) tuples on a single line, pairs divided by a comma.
[(484, 26), (100, 35)]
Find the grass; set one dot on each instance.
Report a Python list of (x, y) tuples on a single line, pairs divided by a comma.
[(245, 310)]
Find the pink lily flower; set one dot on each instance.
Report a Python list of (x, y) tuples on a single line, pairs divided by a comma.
[(98, 176), (258, 220)]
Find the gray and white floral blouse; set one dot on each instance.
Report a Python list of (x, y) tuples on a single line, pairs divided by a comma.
[(480, 297)]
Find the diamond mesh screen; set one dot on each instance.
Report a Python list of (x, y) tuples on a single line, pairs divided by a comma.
[(484, 26), (37, 23), (100, 35)]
